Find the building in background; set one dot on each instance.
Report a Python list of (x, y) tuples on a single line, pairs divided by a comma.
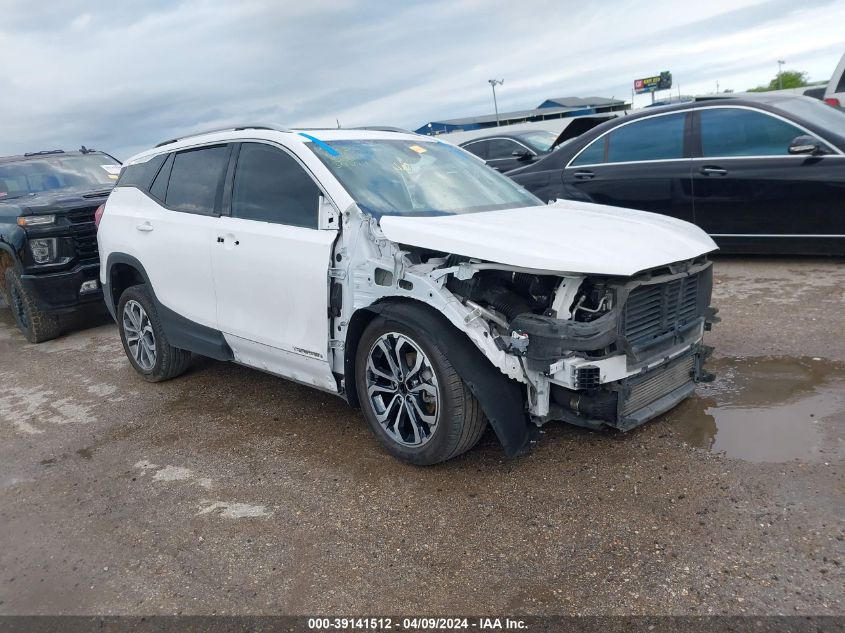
[(550, 109)]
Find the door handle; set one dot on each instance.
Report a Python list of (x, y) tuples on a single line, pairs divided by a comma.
[(583, 175), (222, 240), (713, 171), (145, 227)]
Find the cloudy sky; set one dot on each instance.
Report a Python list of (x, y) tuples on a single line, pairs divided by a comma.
[(123, 75)]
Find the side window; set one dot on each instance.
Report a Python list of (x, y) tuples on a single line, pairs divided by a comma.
[(158, 189), (657, 138), (593, 154), (502, 148), (737, 132), (196, 179), (270, 186), (140, 175), (479, 148)]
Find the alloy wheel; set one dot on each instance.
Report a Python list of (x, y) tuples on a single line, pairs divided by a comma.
[(140, 337), (402, 389)]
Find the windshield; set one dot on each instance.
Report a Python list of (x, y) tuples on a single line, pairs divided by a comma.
[(391, 177), (539, 140), (57, 172), (817, 112)]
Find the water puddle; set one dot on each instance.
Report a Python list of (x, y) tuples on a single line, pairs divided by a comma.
[(768, 410)]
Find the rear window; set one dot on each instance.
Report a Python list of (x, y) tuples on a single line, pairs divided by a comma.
[(196, 180)]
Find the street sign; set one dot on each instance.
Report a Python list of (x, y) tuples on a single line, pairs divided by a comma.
[(663, 81)]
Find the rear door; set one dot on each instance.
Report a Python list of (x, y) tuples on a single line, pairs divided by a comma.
[(641, 165), (174, 232), (752, 195), (271, 266)]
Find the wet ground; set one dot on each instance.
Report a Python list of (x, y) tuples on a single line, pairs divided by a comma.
[(230, 491)]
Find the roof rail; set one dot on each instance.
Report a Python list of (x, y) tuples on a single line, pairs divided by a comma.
[(231, 128), (45, 151), (382, 128)]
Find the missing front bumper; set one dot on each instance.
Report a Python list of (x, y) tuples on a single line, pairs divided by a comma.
[(633, 401)]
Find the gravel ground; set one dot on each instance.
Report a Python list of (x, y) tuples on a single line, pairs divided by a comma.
[(230, 491)]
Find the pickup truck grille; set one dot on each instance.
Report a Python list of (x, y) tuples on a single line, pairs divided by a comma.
[(653, 310), (84, 233)]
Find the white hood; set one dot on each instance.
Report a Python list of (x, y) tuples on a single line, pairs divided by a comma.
[(565, 236)]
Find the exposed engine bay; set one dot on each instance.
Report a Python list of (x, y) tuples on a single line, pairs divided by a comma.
[(592, 350)]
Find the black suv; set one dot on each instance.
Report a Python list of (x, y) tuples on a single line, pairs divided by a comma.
[(49, 263)]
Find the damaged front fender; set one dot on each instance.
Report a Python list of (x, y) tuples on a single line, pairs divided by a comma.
[(500, 398)]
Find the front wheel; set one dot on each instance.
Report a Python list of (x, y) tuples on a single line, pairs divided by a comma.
[(144, 340), (415, 402), (35, 324)]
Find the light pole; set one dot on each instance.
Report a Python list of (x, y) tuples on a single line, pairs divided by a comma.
[(493, 83), (780, 74)]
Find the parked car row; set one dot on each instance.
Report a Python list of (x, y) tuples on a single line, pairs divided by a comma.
[(402, 274), (394, 270), (760, 174)]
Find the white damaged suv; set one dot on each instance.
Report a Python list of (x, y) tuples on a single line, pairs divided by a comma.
[(404, 275)]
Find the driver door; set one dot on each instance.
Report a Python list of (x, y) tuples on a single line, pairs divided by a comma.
[(271, 267), (751, 193)]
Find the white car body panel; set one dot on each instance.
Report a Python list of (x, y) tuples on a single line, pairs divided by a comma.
[(167, 242), (271, 286), (565, 236)]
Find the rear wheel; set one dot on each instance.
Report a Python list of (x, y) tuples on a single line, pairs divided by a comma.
[(144, 340), (35, 324), (414, 400)]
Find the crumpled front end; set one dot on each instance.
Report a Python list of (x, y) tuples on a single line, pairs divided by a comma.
[(600, 351)]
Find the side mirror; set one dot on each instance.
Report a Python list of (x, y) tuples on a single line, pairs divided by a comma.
[(523, 154), (806, 145), (328, 219)]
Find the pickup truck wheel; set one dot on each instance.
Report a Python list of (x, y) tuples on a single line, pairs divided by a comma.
[(35, 324), (415, 402), (144, 340)]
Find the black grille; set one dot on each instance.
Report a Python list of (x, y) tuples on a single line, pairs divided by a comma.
[(84, 233), (657, 309)]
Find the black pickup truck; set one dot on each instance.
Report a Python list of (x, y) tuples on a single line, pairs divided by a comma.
[(49, 262)]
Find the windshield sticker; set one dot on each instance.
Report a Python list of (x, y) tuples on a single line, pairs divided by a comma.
[(331, 151), (113, 170), (418, 149)]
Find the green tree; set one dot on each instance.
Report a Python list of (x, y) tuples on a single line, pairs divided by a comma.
[(787, 79)]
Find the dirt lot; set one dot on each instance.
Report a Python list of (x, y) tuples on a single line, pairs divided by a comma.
[(230, 491)]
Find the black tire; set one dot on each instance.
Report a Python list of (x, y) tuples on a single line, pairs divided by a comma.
[(169, 362), (460, 422), (35, 324)]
